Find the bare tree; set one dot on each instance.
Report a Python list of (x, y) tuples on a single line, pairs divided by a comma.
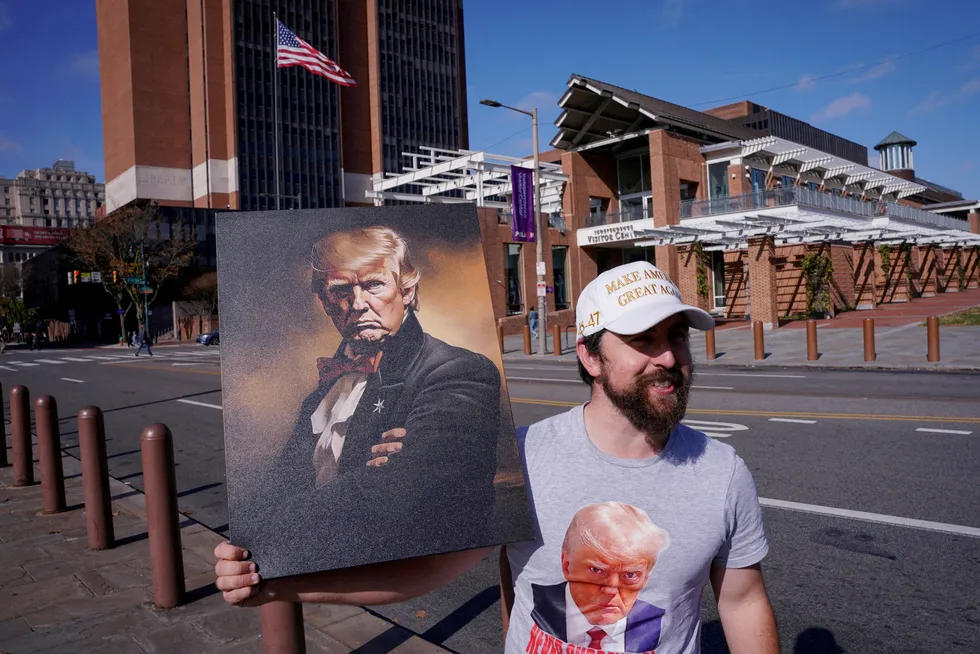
[(124, 244), (203, 291), (11, 282)]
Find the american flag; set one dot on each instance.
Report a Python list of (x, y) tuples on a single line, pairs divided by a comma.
[(294, 51)]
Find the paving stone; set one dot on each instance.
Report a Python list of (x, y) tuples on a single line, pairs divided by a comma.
[(15, 555), (359, 629), (322, 615), (180, 637), (231, 624), (95, 582), (18, 601), (101, 633), (115, 643), (126, 574), (88, 608), (250, 646), (416, 645), (79, 558), (319, 643), (14, 576), (14, 628)]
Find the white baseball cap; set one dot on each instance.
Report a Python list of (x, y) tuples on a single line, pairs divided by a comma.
[(632, 298)]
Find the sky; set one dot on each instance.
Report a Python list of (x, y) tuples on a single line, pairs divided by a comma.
[(856, 68)]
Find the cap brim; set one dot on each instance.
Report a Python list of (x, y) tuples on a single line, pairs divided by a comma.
[(640, 321)]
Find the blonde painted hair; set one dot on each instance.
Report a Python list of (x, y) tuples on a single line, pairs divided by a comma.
[(619, 532), (360, 248)]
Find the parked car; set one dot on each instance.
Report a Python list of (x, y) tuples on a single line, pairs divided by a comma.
[(211, 338)]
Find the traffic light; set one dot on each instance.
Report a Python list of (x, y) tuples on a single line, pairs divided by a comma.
[(115, 276), (71, 279), (76, 273)]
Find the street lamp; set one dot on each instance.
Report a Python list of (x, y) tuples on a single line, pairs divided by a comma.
[(542, 300)]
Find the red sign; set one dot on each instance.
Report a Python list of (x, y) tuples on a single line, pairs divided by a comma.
[(15, 235)]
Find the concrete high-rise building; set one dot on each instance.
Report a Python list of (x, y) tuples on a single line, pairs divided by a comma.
[(188, 97)]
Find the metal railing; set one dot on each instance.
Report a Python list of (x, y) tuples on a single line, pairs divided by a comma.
[(612, 217), (555, 221)]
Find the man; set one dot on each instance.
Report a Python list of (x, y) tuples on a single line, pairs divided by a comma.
[(396, 446), (143, 340), (625, 445), (607, 556)]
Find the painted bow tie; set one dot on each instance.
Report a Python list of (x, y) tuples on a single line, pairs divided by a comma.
[(333, 368)]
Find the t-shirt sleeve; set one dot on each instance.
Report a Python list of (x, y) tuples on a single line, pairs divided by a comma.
[(746, 542)]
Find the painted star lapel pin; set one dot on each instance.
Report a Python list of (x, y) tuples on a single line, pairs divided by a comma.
[(380, 404)]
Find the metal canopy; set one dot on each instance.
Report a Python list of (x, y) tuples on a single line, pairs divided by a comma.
[(455, 176), (783, 157)]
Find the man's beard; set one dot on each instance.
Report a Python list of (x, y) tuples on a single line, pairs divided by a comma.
[(652, 416)]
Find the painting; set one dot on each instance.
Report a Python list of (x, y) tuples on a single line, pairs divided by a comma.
[(366, 414)]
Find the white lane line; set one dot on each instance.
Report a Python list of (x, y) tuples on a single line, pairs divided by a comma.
[(77, 381), (8, 368), (59, 363), (204, 404), (944, 431), (873, 517), (794, 420), (745, 374), (715, 388), (76, 360), (23, 363), (104, 358)]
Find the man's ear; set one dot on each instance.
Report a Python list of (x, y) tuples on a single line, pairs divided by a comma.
[(408, 295), (591, 362), (565, 563)]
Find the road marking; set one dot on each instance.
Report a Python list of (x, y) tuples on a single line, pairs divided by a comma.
[(794, 420), (787, 414), (204, 404), (89, 360), (77, 381), (873, 517), (715, 388), (944, 431), (59, 363), (105, 358), (163, 369), (746, 374), (8, 368), (715, 429), (23, 363)]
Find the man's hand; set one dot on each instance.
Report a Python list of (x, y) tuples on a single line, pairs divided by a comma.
[(237, 578), (390, 444)]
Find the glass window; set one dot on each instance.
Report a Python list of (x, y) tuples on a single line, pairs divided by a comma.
[(718, 179), (634, 174), (559, 263), (718, 278), (513, 280), (758, 178)]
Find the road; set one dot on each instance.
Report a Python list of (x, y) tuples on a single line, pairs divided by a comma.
[(868, 481)]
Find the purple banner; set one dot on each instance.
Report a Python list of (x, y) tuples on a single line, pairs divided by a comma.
[(522, 182)]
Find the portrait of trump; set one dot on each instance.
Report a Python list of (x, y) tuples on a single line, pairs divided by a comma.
[(393, 454), (607, 556)]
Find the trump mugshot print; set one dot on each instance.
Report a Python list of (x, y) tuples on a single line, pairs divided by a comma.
[(365, 413)]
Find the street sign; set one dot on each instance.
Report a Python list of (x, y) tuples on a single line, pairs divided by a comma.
[(16, 327), (542, 289), (146, 290), (541, 269), (97, 277), (134, 280), (86, 278), (120, 311)]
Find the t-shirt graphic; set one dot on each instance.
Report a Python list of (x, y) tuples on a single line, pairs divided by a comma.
[(607, 555), (623, 547)]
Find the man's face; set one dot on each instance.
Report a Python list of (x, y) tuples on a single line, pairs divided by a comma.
[(648, 376), (604, 590), (367, 305)]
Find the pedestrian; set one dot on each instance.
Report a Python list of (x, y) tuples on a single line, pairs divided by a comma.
[(635, 512), (143, 340), (532, 321)]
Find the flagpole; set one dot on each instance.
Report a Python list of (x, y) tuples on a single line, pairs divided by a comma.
[(275, 88)]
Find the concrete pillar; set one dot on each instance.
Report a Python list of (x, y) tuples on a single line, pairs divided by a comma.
[(687, 277), (762, 282)]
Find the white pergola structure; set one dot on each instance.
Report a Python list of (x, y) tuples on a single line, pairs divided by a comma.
[(780, 157), (457, 176)]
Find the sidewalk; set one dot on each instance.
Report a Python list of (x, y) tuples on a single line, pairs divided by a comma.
[(898, 348), (58, 596)]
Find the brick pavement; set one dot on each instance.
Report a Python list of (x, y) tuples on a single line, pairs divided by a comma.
[(58, 596)]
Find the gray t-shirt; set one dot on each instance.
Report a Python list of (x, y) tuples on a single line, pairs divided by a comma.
[(598, 593)]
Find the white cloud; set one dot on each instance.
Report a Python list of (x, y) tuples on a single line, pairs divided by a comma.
[(542, 100), (5, 21), (877, 71), (86, 63), (6, 145), (805, 83), (671, 12), (938, 99), (841, 107)]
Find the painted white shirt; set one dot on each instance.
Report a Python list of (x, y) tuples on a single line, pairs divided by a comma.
[(332, 416), (577, 626)]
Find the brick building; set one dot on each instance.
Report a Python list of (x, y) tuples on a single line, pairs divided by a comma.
[(723, 201), (188, 93)]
